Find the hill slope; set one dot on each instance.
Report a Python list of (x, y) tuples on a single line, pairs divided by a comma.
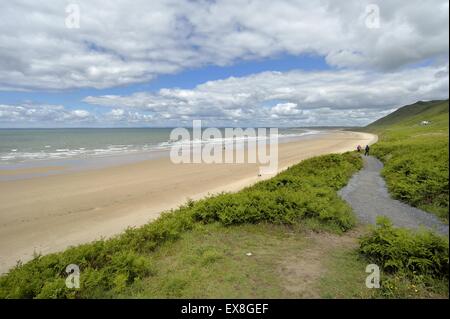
[(416, 155), (414, 114)]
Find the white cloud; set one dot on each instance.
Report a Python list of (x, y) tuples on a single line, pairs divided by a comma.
[(82, 114), (303, 98), (283, 109), (122, 117), (25, 114), (121, 42), (346, 97), (117, 112)]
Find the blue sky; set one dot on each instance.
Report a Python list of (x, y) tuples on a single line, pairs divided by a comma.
[(283, 63)]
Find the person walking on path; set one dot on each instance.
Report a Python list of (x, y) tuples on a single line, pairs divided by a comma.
[(358, 148), (366, 153)]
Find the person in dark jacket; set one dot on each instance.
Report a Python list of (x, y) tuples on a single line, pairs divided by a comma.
[(366, 153)]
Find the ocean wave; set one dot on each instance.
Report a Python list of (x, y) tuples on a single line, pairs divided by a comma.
[(46, 153), (231, 140)]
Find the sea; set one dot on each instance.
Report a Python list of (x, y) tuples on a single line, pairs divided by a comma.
[(97, 147)]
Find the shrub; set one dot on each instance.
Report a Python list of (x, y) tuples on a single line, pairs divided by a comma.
[(307, 190), (399, 250)]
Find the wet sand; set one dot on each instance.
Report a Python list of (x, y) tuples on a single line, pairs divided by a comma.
[(31, 170)]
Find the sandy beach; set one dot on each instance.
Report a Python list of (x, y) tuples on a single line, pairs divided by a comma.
[(47, 214)]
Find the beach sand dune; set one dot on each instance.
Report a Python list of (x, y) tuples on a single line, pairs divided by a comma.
[(47, 214)]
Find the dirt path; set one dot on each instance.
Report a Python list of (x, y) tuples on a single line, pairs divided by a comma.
[(301, 272), (367, 194)]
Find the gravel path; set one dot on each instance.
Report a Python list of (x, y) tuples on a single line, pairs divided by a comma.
[(367, 194)]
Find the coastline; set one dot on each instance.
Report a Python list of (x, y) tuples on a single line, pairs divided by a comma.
[(48, 214), (31, 160)]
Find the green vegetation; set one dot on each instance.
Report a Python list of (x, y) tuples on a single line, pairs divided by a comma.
[(211, 262), (416, 155), (303, 194), (415, 264), (304, 191)]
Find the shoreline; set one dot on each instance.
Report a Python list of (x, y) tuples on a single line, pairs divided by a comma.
[(44, 167), (50, 213)]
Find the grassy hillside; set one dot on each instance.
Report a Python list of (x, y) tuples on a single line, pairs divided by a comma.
[(304, 194), (416, 155), (412, 114)]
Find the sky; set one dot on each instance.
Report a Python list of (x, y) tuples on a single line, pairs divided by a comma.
[(163, 63)]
